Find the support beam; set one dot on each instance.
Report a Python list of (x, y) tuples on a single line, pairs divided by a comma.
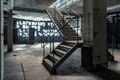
[(10, 32), (29, 10), (95, 30), (1, 42)]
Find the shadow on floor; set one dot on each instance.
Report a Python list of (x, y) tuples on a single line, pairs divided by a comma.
[(107, 74)]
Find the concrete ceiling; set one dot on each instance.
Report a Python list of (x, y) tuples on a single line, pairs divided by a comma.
[(34, 9), (31, 9), (112, 6), (111, 3), (31, 16), (33, 4)]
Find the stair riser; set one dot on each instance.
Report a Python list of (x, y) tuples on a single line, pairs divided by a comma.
[(52, 59), (60, 20), (69, 30), (70, 34), (64, 26), (63, 48), (59, 54), (49, 68), (72, 38), (69, 44)]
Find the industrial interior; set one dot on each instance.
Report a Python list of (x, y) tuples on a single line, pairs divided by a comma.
[(60, 39)]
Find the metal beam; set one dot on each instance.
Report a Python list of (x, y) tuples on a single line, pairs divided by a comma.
[(29, 10)]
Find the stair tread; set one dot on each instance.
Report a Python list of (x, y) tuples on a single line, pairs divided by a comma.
[(49, 62), (55, 56), (66, 46), (61, 51), (74, 41)]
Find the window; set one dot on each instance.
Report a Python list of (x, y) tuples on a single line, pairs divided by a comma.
[(41, 29)]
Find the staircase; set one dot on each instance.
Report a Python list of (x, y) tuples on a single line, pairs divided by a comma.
[(70, 42)]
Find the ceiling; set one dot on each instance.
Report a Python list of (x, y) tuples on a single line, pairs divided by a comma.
[(31, 9), (35, 9), (33, 4)]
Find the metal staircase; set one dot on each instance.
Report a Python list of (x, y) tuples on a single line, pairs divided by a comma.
[(71, 41)]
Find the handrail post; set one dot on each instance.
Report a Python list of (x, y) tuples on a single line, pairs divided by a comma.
[(43, 48), (63, 23), (50, 39), (77, 27), (53, 48), (42, 37), (63, 27)]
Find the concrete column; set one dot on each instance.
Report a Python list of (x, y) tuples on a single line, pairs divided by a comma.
[(1, 42), (95, 30), (10, 32)]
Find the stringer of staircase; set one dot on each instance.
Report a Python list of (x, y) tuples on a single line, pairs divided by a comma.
[(70, 43)]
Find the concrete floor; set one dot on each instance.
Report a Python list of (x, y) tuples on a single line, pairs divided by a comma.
[(25, 63)]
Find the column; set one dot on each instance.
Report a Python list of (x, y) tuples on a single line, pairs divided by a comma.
[(10, 31), (1, 42), (95, 32)]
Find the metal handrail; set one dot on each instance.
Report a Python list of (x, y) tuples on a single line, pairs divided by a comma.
[(70, 17), (73, 21), (58, 19), (47, 42), (54, 23), (73, 11), (44, 45)]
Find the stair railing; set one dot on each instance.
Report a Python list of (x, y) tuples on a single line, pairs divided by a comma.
[(71, 19), (75, 22), (44, 43), (55, 23), (59, 21), (61, 28)]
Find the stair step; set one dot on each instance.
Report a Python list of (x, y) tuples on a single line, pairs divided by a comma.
[(70, 33), (56, 58), (71, 37), (60, 51), (69, 43), (60, 20), (69, 29), (48, 62), (66, 46)]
